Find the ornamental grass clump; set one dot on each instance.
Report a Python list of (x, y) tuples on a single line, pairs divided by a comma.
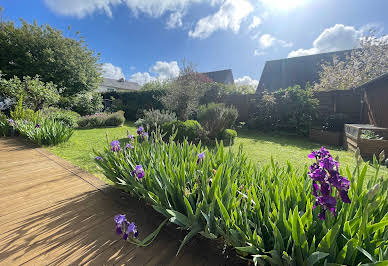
[(266, 213)]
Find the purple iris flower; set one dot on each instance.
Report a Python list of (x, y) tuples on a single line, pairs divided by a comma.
[(119, 220), (200, 157), (140, 130), (37, 125), (122, 225), (129, 146), (325, 176), (145, 135), (139, 171), (99, 158), (25, 121), (344, 196), (131, 137), (11, 121), (115, 146)]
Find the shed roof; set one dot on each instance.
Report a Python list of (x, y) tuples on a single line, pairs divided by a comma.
[(292, 71), (221, 76)]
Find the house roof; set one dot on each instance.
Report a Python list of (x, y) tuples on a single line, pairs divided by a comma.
[(221, 76), (120, 84), (372, 83), (292, 71)]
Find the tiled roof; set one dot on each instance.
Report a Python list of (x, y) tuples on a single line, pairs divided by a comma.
[(119, 84)]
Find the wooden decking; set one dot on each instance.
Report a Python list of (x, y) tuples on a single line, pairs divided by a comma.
[(52, 212)]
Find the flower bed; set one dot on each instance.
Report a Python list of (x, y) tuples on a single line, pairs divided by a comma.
[(267, 214)]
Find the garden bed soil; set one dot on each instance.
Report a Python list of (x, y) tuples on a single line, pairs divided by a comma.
[(334, 138)]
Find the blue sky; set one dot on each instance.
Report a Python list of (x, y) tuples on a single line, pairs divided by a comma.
[(143, 40)]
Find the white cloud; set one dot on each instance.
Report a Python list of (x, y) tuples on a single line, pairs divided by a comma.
[(153, 8), (165, 70), (337, 38), (175, 20), (160, 71), (246, 80), (256, 21), (111, 71), (267, 40), (141, 78), (229, 16), (258, 52), (81, 8)]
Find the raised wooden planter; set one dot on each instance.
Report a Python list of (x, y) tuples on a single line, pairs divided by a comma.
[(326, 137), (368, 147)]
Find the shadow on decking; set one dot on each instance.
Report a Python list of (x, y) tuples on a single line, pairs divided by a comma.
[(81, 229)]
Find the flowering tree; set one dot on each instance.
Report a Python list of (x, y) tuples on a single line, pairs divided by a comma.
[(362, 65)]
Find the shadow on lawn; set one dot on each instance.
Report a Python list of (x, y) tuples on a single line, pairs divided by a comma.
[(81, 229), (283, 139)]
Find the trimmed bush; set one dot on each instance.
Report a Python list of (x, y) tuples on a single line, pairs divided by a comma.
[(189, 129), (228, 136), (115, 119), (216, 117), (102, 120), (67, 117), (155, 118)]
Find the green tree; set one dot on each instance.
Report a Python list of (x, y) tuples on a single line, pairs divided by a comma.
[(31, 50)]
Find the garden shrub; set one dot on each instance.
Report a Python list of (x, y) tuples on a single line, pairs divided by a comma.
[(35, 93), (189, 129), (67, 117), (155, 118), (5, 127), (115, 119), (228, 136), (292, 109), (22, 113), (266, 213), (216, 117), (102, 120)]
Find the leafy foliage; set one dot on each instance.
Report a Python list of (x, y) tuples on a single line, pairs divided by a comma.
[(67, 117), (265, 213), (228, 136), (22, 113), (292, 109), (102, 120), (215, 118), (155, 118), (36, 93), (47, 132), (133, 103), (184, 93), (31, 50), (179, 130)]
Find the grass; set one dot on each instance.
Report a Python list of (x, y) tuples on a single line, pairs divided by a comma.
[(258, 146)]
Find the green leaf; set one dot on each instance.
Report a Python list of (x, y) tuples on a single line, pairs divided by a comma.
[(316, 257), (224, 212), (190, 235), (178, 218), (329, 240)]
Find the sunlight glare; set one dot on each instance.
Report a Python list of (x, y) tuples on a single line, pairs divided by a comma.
[(283, 4)]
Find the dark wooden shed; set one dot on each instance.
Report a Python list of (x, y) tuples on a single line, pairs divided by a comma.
[(376, 100)]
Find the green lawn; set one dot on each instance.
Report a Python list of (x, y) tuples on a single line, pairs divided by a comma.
[(258, 146)]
